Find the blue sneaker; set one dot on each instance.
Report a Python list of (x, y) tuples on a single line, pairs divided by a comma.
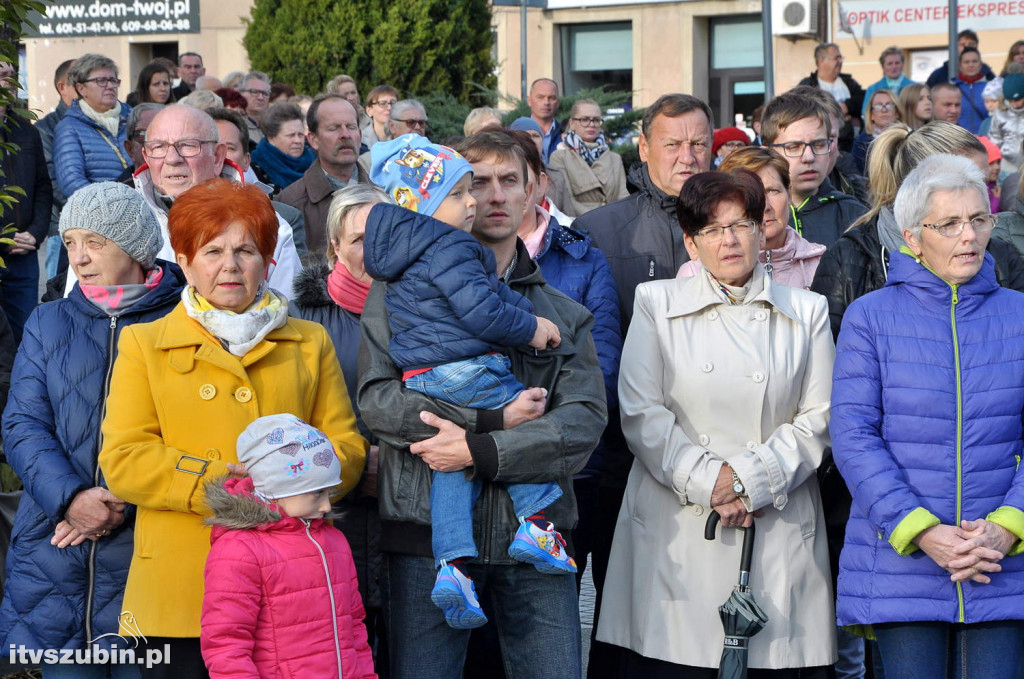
[(455, 594), (542, 547)]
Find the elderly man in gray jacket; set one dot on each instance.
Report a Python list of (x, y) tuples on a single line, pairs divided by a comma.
[(547, 434)]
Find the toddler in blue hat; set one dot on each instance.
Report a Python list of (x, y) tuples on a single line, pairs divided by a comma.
[(450, 319)]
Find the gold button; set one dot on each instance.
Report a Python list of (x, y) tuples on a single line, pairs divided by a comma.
[(207, 391), (212, 454), (243, 394)]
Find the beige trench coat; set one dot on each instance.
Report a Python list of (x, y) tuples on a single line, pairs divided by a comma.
[(702, 382), (591, 186)]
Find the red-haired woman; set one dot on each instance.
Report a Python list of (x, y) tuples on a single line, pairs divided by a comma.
[(186, 386)]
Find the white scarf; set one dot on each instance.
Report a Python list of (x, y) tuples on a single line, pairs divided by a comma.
[(239, 332), (109, 120)]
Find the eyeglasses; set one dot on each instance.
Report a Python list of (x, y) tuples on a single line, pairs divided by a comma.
[(953, 227), (186, 148), (383, 103), (883, 107), (257, 93), (795, 149), (589, 122), (412, 122), (713, 234), (104, 82)]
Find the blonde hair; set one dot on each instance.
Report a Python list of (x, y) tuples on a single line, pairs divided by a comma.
[(907, 102), (479, 118), (898, 150), (343, 204)]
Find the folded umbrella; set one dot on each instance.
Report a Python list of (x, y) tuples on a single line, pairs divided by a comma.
[(741, 617)]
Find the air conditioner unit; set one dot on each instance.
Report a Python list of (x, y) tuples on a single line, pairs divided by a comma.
[(795, 17)]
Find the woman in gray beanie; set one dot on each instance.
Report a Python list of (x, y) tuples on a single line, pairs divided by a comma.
[(72, 540)]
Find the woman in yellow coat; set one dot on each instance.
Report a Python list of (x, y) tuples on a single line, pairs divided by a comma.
[(184, 388)]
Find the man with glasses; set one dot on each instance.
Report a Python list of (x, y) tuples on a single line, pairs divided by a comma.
[(800, 129), (182, 150), (256, 90), (378, 107), (408, 117), (190, 68)]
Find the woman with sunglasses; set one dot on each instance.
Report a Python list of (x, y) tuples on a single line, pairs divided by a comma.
[(595, 173)]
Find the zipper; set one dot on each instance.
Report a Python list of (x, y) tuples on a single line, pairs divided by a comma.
[(330, 592), (797, 224), (91, 592), (959, 434)]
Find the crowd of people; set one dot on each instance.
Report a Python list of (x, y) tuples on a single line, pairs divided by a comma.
[(313, 394)]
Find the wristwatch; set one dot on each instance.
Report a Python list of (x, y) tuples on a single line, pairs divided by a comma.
[(737, 485)]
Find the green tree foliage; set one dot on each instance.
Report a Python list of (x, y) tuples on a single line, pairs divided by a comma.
[(435, 46)]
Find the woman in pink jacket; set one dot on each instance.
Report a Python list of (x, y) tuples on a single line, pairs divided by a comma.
[(281, 596)]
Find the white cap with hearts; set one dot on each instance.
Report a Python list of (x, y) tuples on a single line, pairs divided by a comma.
[(286, 456)]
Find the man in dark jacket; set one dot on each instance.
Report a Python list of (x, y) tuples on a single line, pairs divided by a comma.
[(24, 166), (543, 100), (47, 127), (847, 91), (528, 441), (800, 128), (334, 134), (190, 69), (641, 237)]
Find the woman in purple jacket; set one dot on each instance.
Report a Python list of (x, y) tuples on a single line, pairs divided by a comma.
[(927, 404)]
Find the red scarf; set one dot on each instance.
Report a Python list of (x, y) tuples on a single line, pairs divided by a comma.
[(970, 79), (347, 292)]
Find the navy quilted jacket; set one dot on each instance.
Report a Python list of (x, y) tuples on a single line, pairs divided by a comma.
[(51, 431), (927, 399), (85, 153), (443, 298)]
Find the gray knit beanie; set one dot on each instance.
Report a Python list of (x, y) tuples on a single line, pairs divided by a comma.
[(119, 213), (286, 457)]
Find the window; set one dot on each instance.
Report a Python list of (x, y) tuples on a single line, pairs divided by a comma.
[(597, 54)]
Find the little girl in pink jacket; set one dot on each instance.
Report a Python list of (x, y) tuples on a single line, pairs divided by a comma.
[(281, 593)]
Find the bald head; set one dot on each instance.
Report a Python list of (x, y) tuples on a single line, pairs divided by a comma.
[(174, 169)]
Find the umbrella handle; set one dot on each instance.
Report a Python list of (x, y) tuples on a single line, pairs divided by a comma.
[(747, 555)]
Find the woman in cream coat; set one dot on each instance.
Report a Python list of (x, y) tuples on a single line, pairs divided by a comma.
[(724, 384), (595, 172)]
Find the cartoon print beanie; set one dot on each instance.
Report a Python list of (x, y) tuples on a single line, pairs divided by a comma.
[(416, 173), (286, 457)]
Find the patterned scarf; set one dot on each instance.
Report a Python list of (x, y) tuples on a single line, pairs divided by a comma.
[(346, 291), (589, 152), (238, 332), (731, 293), (114, 299)]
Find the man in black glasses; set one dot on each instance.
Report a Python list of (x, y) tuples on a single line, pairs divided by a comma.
[(800, 129), (256, 90)]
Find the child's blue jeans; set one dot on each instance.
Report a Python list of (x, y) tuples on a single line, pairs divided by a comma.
[(484, 382)]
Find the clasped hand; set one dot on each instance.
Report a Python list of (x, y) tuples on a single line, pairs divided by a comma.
[(92, 514), (969, 551), (728, 504)]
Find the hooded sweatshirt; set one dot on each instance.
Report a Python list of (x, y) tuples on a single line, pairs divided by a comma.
[(281, 594)]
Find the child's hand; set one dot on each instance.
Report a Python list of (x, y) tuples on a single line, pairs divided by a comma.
[(546, 335), (237, 471)]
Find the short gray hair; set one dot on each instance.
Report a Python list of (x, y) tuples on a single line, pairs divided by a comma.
[(201, 116), (256, 75), (345, 202), (86, 64), (941, 172), (821, 51), (889, 51), (277, 115), (401, 107), (136, 115)]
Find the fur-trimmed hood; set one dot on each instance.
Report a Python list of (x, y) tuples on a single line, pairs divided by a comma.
[(235, 505), (310, 286)]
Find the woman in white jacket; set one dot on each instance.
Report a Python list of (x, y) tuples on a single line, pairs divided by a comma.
[(724, 390)]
